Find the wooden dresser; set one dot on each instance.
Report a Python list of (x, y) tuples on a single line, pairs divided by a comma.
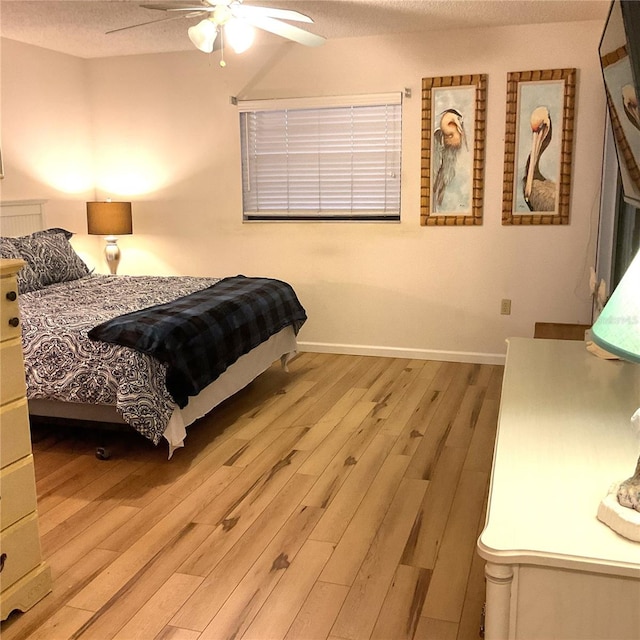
[(564, 436), (24, 578)]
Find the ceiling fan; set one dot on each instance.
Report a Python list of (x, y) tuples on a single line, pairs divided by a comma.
[(234, 20)]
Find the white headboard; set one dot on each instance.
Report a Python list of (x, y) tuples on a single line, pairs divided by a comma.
[(21, 217)]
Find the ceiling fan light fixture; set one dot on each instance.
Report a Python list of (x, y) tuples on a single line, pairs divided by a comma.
[(221, 14), (239, 34), (203, 35), (234, 21)]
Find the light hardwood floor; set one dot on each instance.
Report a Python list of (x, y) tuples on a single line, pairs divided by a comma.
[(341, 500)]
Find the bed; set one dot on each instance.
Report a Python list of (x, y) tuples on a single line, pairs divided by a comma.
[(132, 349)]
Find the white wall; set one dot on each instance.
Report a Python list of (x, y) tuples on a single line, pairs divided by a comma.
[(166, 136), (47, 144)]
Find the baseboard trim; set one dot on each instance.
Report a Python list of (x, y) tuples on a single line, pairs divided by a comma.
[(397, 352)]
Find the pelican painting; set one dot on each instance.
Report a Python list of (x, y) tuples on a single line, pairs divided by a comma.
[(539, 192), (538, 146), (448, 140), (452, 166)]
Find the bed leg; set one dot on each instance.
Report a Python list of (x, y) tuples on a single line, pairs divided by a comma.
[(103, 453), (286, 359)]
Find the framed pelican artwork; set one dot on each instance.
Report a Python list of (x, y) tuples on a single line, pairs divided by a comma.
[(538, 147), (452, 163)]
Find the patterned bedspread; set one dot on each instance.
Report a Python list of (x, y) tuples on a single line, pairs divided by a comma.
[(62, 363), (200, 335)]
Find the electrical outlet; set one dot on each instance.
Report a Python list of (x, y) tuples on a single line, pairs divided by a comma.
[(505, 307)]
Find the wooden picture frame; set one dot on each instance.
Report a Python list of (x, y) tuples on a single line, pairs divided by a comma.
[(453, 144), (539, 124)]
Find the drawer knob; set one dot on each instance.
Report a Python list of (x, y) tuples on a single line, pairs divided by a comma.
[(14, 322), (3, 557), (11, 296)]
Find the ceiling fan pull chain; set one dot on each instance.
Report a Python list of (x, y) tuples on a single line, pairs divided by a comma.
[(222, 62)]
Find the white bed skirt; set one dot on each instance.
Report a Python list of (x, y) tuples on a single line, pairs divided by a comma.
[(245, 369), (282, 345)]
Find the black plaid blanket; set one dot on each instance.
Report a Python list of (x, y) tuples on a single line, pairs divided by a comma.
[(199, 335)]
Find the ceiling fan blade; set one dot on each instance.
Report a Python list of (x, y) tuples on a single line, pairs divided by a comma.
[(285, 30), (244, 11), (142, 24), (189, 5)]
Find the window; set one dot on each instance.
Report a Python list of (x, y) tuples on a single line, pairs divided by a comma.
[(322, 158)]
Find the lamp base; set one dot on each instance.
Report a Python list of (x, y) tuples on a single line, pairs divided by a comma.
[(112, 254), (622, 520)]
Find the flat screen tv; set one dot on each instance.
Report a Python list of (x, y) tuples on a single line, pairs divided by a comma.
[(620, 60)]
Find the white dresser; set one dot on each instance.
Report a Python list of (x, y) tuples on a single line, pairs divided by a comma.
[(24, 578), (564, 436)]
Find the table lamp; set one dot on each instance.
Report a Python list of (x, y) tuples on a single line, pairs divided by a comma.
[(110, 219), (617, 330)]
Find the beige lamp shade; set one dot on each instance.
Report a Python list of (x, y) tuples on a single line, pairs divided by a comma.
[(109, 218)]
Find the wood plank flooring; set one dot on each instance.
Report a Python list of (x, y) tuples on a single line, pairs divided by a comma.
[(341, 500)]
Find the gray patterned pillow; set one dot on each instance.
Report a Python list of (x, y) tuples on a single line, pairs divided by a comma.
[(28, 279), (51, 256), (48, 232), (8, 249)]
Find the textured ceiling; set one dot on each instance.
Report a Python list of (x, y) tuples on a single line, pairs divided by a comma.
[(78, 27)]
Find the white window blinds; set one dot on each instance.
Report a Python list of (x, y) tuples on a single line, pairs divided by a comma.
[(326, 158)]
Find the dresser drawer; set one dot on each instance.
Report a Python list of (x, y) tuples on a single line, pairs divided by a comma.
[(15, 437), (24, 593), (17, 491), (9, 310), (20, 547), (12, 385)]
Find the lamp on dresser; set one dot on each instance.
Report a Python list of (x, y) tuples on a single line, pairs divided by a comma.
[(617, 330), (110, 219)]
